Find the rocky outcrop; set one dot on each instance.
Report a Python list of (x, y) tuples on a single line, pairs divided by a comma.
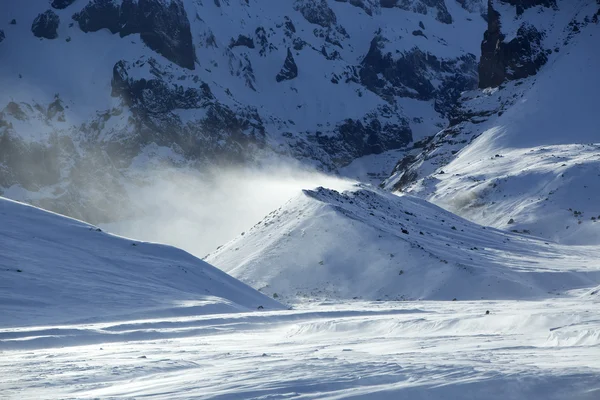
[(421, 7), (410, 74), (316, 12), (522, 5), (369, 6), (163, 25), (218, 134), (45, 25), (289, 70), (242, 41), (61, 4), (2, 35), (519, 58), (155, 96)]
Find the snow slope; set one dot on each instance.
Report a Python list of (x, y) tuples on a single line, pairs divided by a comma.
[(370, 244), (524, 350), (528, 157), (56, 269)]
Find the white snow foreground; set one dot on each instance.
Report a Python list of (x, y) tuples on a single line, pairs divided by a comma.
[(158, 333), (55, 269), (369, 244), (546, 350)]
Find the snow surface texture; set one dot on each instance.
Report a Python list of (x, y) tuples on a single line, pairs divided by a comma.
[(527, 159), (546, 350), (369, 244), (55, 269)]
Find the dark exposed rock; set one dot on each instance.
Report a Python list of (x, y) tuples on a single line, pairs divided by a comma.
[(163, 26), (421, 7), (519, 58), (262, 41), (410, 73), (358, 137), (242, 41), (290, 29), (373, 137), (155, 96), (99, 14), (13, 21), (418, 32), (367, 7), (45, 25), (61, 4), (522, 5), (2, 35), (316, 12), (289, 70), (388, 3), (219, 133)]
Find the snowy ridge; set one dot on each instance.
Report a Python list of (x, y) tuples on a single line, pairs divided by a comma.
[(56, 269), (525, 156), (369, 244)]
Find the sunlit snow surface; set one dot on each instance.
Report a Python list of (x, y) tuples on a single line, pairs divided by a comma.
[(383, 350)]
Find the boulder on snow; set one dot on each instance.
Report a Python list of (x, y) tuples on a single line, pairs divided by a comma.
[(45, 25), (289, 70)]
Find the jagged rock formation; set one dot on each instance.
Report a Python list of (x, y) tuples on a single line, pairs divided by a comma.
[(411, 74), (518, 58), (522, 5), (45, 25), (422, 7), (289, 70), (2, 35), (242, 40), (163, 26), (316, 12)]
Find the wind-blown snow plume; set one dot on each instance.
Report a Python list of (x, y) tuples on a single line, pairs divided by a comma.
[(200, 211)]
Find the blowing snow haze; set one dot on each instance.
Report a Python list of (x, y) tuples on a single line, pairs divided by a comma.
[(199, 212), (378, 199)]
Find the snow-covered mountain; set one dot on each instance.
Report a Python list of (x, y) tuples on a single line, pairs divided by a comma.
[(522, 153), (365, 243), (56, 269), (95, 89)]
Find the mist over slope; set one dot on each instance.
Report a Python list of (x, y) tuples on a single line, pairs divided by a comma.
[(96, 89), (199, 212), (524, 154), (365, 243), (55, 269)]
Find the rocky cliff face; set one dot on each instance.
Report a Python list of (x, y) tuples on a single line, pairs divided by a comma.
[(517, 58), (521, 37), (191, 83), (163, 26)]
